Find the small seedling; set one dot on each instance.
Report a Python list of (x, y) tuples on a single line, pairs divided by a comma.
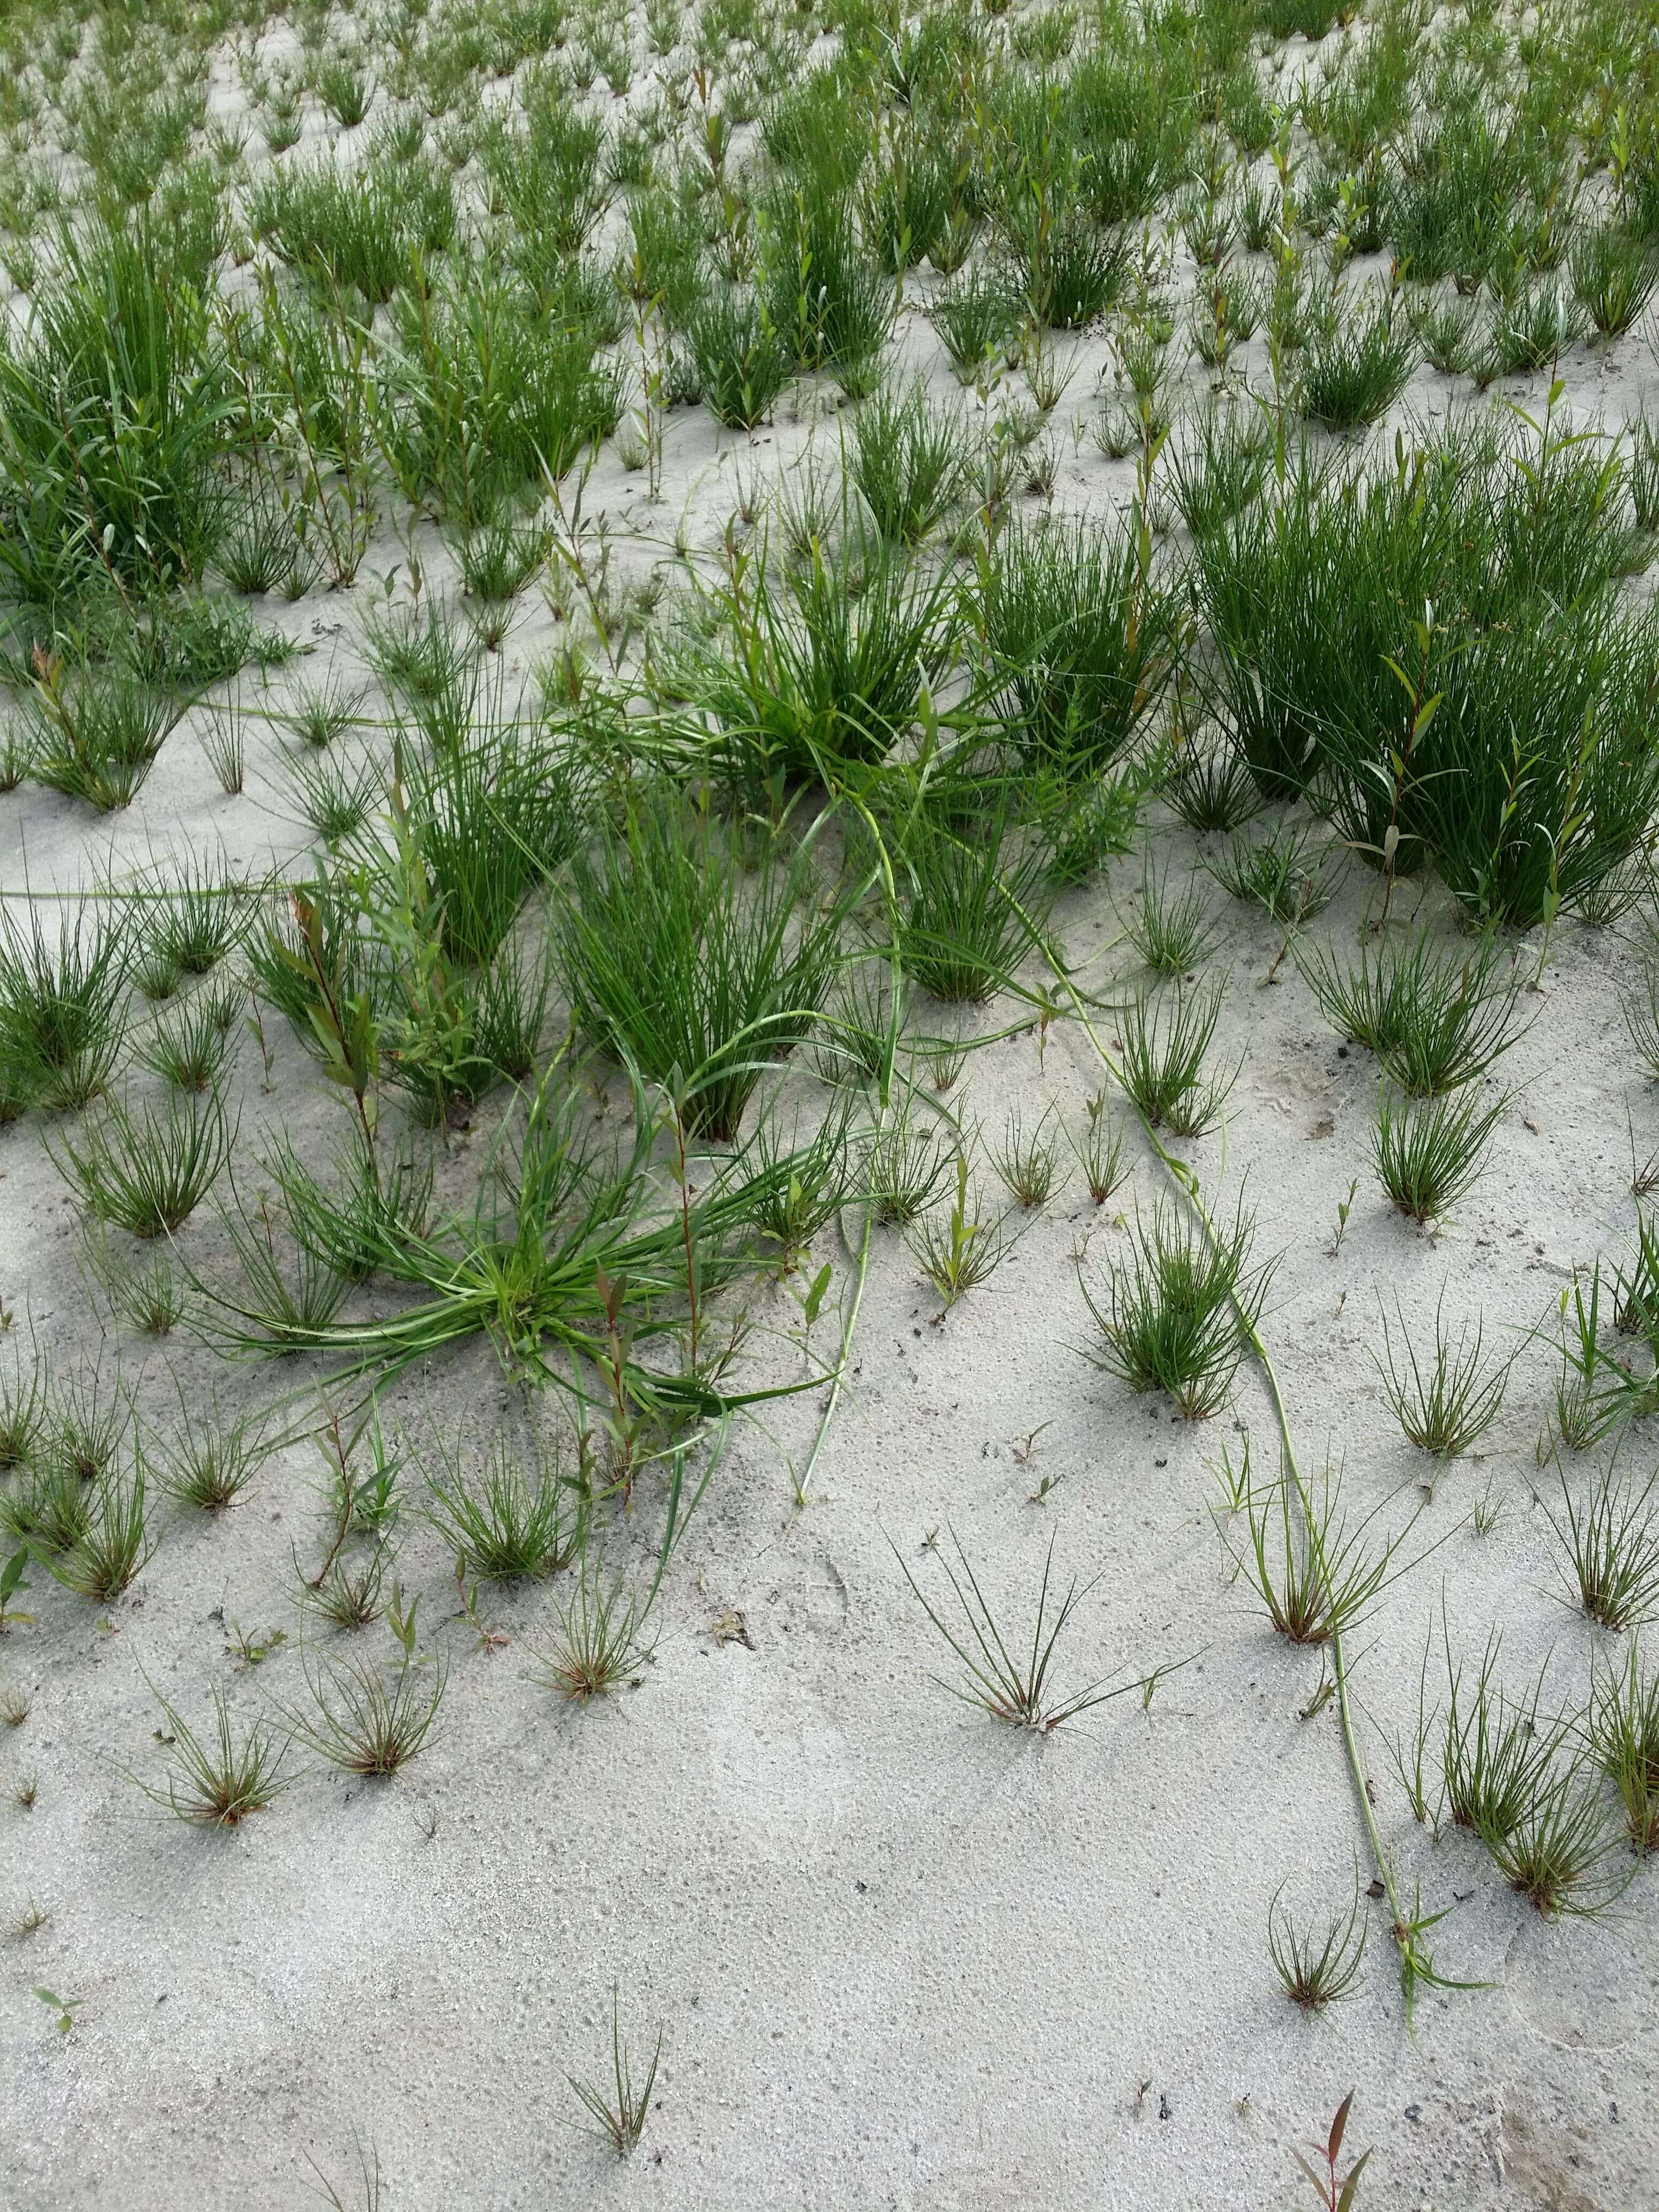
[(1335, 2192), (1171, 934), (601, 1643), (1624, 1733), (620, 2115), (217, 1781), (1344, 1208), (1178, 1314), (64, 2007), (1163, 1062), (28, 1789)]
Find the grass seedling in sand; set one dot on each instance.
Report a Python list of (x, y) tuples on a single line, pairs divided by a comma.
[(1312, 1570), (1277, 875), (1098, 1149), (790, 1211), (1429, 1152), (1559, 1851), (363, 1723), (1172, 933), (192, 1046), (61, 1005), (1164, 1041), (368, 2174), (510, 1519), (674, 960), (1624, 1735), (1211, 787), (620, 2113), (1611, 1542), (1015, 1686), (1446, 1407), (217, 1781), (114, 1544), (959, 1252), (1436, 1022), (1178, 1313), (1356, 367), (904, 1167), (967, 909), (1028, 1165), (208, 1463), (147, 1172), (907, 463), (1497, 1751), (600, 1643), (1317, 1966)]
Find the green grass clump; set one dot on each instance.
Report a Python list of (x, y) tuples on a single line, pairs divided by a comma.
[(686, 969), (1080, 641), (1178, 1313)]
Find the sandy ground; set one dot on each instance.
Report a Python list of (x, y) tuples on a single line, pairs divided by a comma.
[(898, 1956)]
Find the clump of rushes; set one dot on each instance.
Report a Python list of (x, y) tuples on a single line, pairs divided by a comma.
[(1315, 1571), (97, 737), (1316, 1966), (1356, 367), (619, 2117), (976, 317), (1012, 1683), (1428, 1153), (219, 1782), (1611, 1545), (904, 1167), (115, 1542), (681, 968), (1436, 1021), (1624, 1735), (208, 1463), (1164, 1042), (907, 463), (147, 1172), (1560, 1851), (1614, 272), (362, 1721), (510, 1520), (1080, 641), (60, 1005), (1098, 1149), (1497, 1751), (1211, 787), (601, 1640), (742, 359), (23, 1406), (814, 669), (1447, 1404), (192, 1046), (789, 1213), (1277, 875), (1172, 932), (1177, 1315), (969, 909), (958, 1252), (1027, 1163)]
